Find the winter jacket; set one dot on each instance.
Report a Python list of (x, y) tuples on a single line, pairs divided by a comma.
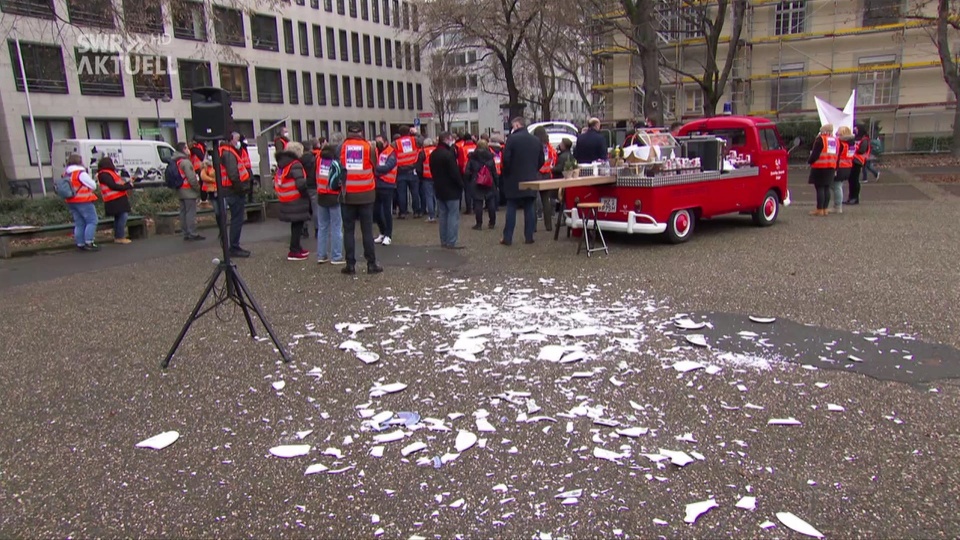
[(309, 162), (229, 162), (591, 146), (186, 170), (522, 159), (298, 210), (447, 180), (819, 177), (365, 197), (380, 170), (208, 177), (477, 160), (121, 204), (844, 174), (561, 163)]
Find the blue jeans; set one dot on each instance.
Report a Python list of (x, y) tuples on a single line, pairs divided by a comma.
[(429, 199), (869, 166), (449, 214), (408, 181), (84, 222), (529, 219), (120, 225), (236, 203), (383, 211), (329, 233)]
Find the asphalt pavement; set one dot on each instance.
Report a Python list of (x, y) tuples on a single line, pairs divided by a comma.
[(584, 393)]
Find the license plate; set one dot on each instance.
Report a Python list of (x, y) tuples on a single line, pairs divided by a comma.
[(609, 205)]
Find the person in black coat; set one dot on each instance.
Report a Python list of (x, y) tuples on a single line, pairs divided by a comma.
[(118, 208), (591, 144), (448, 184), (309, 162), (297, 211), (522, 159), (482, 158)]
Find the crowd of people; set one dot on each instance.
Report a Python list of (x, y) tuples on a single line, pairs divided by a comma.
[(840, 156)]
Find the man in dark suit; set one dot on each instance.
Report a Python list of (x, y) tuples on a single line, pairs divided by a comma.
[(591, 144), (522, 159)]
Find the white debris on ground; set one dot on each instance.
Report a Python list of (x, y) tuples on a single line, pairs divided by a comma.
[(563, 365)]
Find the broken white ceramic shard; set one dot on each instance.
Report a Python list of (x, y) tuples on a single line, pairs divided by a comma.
[(697, 509), (368, 357), (633, 432), (457, 503), (159, 442), (834, 408), (698, 455), (314, 469), (477, 332), (335, 452), (687, 437), (748, 334), (821, 384), (465, 440), (603, 453), (303, 434), (798, 525), (485, 426), (791, 421), (575, 493), (752, 406), (687, 324), (377, 451), (659, 522), (382, 390), (680, 459), (447, 458), (381, 417), (684, 366), (415, 447), (501, 488), (389, 437), (551, 353), (712, 370), (572, 357), (853, 358), (762, 320), (374, 518), (747, 503), (278, 385), (696, 339), (290, 450), (656, 458), (570, 502), (767, 525), (351, 345)]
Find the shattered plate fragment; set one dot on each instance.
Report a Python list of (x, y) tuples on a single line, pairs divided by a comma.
[(315, 468), (697, 509), (290, 450), (278, 385), (389, 437), (368, 357), (791, 421), (351, 345), (551, 353), (747, 503), (485, 426), (762, 320), (684, 366), (688, 324), (378, 391), (575, 493), (696, 339), (680, 459), (415, 447), (159, 442), (633, 432), (602, 453), (834, 408), (798, 525), (465, 440)]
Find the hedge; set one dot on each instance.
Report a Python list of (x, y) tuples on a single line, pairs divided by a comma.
[(50, 210), (931, 144)]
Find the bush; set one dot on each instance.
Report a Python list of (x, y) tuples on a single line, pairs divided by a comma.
[(264, 195), (805, 128), (50, 210), (931, 144), (152, 201)]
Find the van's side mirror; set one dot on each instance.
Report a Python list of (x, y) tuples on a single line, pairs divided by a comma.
[(795, 143)]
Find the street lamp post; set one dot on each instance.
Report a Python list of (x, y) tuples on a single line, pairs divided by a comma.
[(156, 98)]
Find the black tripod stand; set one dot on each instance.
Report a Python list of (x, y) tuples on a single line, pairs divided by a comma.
[(234, 290)]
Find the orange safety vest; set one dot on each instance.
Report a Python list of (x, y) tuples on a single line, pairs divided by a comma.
[(285, 185), (828, 156), (407, 151), (391, 176), (244, 172), (109, 194), (209, 188), (498, 161), (847, 151), (323, 177), (197, 162), (463, 155), (355, 155), (549, 159), (862, 158), (245, 159), (84, 194), (280, 144), (427, 173)]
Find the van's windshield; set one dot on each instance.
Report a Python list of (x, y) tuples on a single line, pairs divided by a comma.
[(165, 153)]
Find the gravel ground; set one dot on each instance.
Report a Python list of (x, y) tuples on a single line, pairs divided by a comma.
[(82, 386)]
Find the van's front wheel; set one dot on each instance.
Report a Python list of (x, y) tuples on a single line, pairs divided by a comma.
[(680, 226), (769, 210)]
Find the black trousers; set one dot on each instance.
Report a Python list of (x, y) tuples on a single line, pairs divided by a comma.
[(490, 198), (296, 232), (854, 182), (823, 196), (364, 213)]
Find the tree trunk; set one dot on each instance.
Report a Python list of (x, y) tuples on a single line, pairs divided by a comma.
[(955, 143), (653, 96)]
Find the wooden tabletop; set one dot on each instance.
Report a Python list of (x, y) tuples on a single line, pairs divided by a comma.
[(589, 205), (580, 181)]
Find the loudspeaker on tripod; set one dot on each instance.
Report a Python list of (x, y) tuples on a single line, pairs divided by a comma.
[(212, 113)]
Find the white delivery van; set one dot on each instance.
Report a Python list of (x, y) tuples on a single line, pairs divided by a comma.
[(143, 160), (255, 160), (557, 131)]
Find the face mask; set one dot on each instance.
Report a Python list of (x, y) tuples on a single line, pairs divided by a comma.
[(236, 144)]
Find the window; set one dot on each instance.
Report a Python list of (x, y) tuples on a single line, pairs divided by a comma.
[(304, 40), (388, 47), (787, 91), (472, 81), (416, 56), (334, 91), (353, 8), (328, 6), (193, 74), (366, 50), (358, 92), (386, 12), (331, 44), (297, 133), (877, 12), (264, 124), (391, 102), (43, 65), (288, 36), (406, 16), (96, 13), (398, 54), (228, 26), (371, 127), (236, 80), (769, 139), (318, 41), (419, 97), (791, 16), (48, 130), (380, 95), (293, 87), (321, 90), (355, 46), (311, 129), (370, 96), (376, 10), (396, 13), (410, 96), (152, 76), (263, 29), (692, 101), (337, 126), (269, 85), (143, 16), (324, 128), (877, 87), (29, 8), (315, 4), (341, 10), (98, 72), (344, 52), (401, 99), (415, 18), (347, 94), (365, 9), (474, 105), (378, 50), (105, 128), (307, 89), (189, 21), (407, 53)]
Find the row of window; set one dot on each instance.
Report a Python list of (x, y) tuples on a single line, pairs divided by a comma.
[(189, 18), (45, 73)]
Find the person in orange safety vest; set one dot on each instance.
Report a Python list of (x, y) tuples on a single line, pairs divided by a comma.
[(823, 167), (81, 205), (358, 158)]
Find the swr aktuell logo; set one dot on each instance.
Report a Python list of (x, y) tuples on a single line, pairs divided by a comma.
[(115, 54)]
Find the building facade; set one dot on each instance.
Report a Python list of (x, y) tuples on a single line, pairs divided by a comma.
[(317, 63), (793, 51)]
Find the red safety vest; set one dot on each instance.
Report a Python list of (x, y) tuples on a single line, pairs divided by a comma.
[(109, 194), (245, 159), (549, 159), (209, 188), (356, 155), (285, 185), (244, 172), (862, 158), (391, 176), (84, 194), (427, 173), (280, 144), (847, 152), (463, 153), (323, 177), (498, 161), (194, 160), (829, 154), (407, 151)]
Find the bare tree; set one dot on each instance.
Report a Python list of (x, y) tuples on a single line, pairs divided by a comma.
[(445, 73), (572, 55), (539, 49), (945, 26)]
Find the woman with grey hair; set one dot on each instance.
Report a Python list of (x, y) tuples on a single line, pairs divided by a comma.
[(290, 183)]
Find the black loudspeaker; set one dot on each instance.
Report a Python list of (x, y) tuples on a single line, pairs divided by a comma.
[(212, 112)]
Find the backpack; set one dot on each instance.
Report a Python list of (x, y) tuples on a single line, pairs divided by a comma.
[(172, 176), (335, 176), (876, 146), (484, 178), (64, 187)]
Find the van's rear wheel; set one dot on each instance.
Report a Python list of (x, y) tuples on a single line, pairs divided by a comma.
[(769, 210), (680, 226)]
